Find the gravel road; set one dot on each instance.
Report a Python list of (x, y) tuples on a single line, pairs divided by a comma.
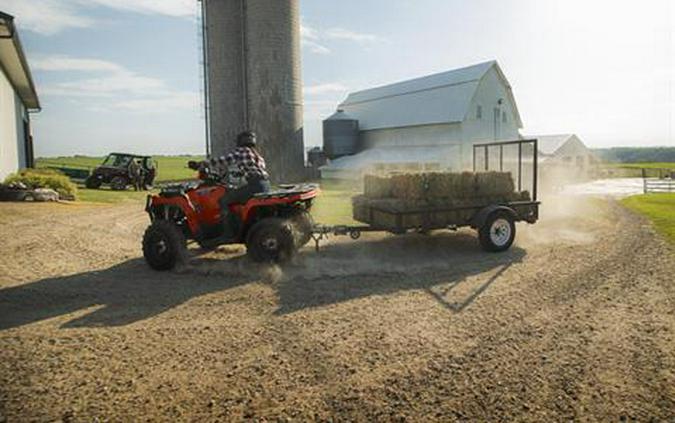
[(575, 322)]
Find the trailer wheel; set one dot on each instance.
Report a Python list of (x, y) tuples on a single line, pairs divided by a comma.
[(163, 245), (498, 232), (271, 240)]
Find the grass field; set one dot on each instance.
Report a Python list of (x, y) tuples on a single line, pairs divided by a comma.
[(169, 168), (650, 165), (334, 205), (659, 208)]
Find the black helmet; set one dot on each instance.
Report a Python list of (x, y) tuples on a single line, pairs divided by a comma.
[(246, 139)]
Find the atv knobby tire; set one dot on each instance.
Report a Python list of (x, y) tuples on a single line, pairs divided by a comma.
[(271, 240), (163, 245), (303, 225)]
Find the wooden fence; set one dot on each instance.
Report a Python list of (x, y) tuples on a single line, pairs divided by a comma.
[(664, 183)]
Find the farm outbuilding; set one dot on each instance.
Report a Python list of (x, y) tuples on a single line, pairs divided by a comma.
[(429, 122), (564, 158), (17, 97)]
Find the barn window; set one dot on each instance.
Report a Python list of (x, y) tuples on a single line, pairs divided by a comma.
[(479, 112), (504, 117)]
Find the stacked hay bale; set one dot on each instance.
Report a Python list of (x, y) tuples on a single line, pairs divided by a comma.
[(422, 199)]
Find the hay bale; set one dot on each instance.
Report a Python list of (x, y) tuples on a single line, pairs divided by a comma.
[(409, 186), (494, 183), (375, 186), (360, 209), (444, 185), (428, 194)]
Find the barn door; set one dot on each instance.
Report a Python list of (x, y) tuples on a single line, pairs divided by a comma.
[(496, 119)]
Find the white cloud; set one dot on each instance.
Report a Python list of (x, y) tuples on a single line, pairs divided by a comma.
[(66, 63), (46, 17), (313, 39), (114, 86), (310, 39), (329, 87), (348, 35), (178, 100), (178, 8)]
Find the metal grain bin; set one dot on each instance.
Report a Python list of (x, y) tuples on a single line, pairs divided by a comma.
[(340, 135)]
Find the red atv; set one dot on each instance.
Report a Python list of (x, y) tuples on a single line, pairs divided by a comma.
[(273, 225)]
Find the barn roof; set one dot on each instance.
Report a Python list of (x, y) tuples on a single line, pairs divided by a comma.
[(13, 63), (440, 98), (549, 144)]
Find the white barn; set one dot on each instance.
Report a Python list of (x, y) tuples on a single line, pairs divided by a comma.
[(17, 97), (429, 122), (564, 158)]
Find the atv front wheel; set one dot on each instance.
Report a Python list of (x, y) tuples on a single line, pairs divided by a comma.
[(163, 245), (271, 240)]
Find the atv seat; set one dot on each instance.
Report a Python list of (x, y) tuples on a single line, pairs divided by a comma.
[(286, 190)]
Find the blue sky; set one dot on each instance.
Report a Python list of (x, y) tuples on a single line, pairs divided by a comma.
[(125, 74)]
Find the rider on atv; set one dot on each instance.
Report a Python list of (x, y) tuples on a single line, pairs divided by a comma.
[(249, 165)]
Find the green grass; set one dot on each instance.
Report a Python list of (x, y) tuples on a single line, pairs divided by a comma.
[(649, 165), (169, 168), (334, 204), (106, 195), (659, 208)]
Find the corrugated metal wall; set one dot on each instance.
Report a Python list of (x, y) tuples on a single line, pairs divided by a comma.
[(12, 146)]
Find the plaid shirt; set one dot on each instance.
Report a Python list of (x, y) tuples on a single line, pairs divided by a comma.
[(249, 163)]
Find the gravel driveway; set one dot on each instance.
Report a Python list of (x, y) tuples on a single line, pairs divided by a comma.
[(576, 321)]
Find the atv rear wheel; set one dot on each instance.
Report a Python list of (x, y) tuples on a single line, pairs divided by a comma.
[(119, 183), (303, 225), (163, 245), (271, 240)]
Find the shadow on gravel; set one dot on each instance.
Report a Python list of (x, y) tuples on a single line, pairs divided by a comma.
[(123, 294), (451, 267), (440, 264)]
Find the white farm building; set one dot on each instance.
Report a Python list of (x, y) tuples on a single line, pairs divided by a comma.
[(17, 97), (424, 123), (564, 158)]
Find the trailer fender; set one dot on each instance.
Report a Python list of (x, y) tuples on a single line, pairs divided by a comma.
[(479, 219)]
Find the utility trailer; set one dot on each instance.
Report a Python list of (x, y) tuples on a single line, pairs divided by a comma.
[(494, 221)]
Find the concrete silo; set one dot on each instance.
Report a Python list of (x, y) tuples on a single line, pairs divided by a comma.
[(253, 79)]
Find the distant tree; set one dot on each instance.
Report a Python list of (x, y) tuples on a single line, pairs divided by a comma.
[(636, 154)]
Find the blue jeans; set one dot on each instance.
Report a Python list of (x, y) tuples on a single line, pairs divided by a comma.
[(243, 194)]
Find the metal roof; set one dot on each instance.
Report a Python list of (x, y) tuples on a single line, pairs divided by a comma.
[(13, 63), (399, 154), (340, 115), (549, 144), (440, 98)]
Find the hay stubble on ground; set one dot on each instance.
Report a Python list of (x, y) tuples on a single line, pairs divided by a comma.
[(575, 321)]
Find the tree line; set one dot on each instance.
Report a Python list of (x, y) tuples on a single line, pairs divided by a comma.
[(636, 154)]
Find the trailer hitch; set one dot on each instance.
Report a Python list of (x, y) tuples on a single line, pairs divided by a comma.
[(321, 232)]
